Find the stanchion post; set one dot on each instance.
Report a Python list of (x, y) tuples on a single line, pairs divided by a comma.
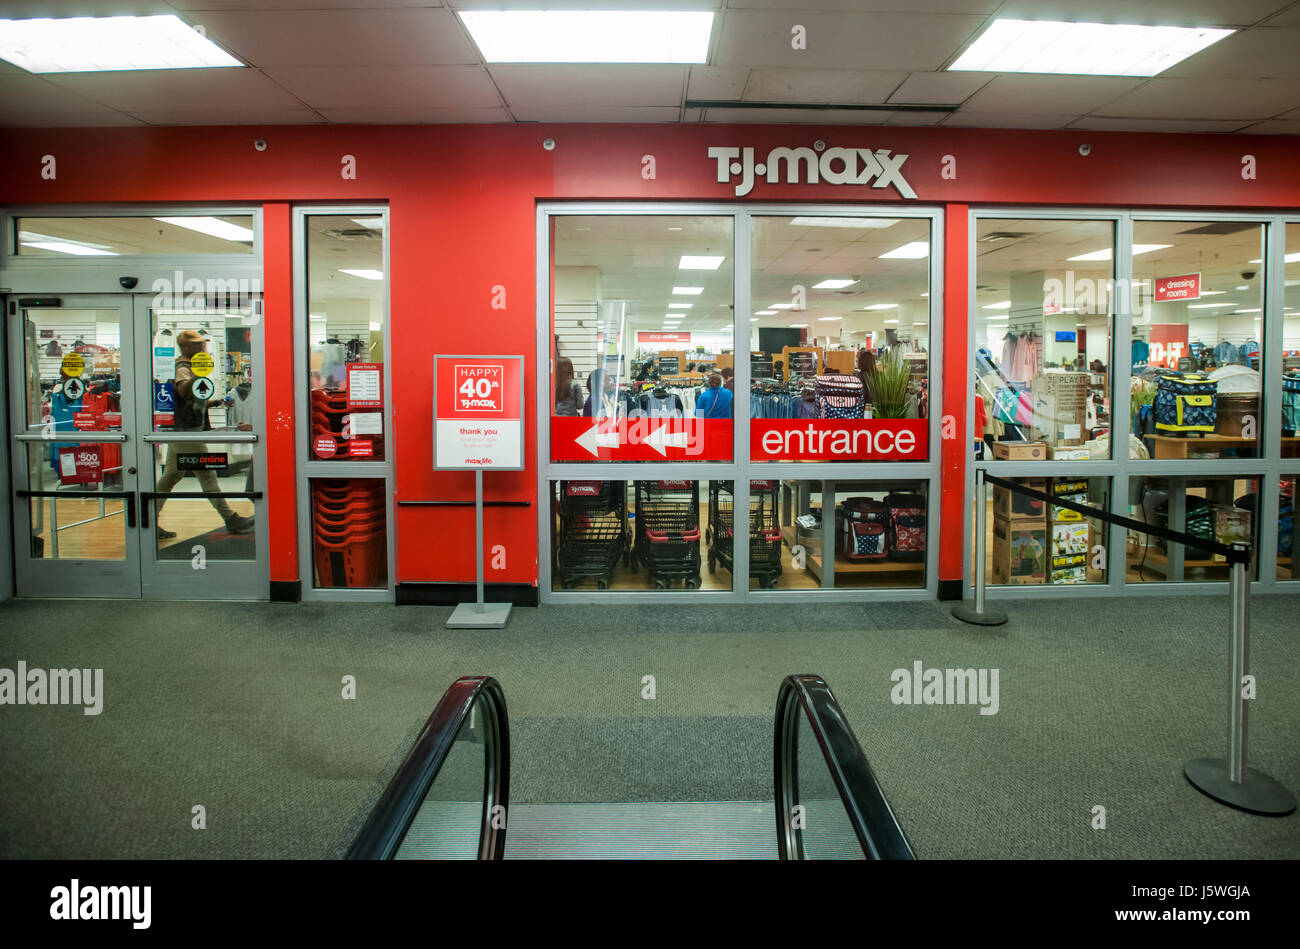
[(1229, 780), (979, 615)]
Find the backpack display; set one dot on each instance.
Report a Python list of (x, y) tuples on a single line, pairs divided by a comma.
[(1184, 404), (864, 527), (906, 526), (839, 397), (1291, 401)]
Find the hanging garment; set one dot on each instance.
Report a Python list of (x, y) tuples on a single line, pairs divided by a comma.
[(1248, 349), (1225, 354), (1141, 353), (1008, 352)]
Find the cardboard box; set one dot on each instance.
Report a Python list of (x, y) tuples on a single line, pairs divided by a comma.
[(1069, 545), (1020, 451), (1019, 551), (1057, 453), (1060, 407), (1011, 506)]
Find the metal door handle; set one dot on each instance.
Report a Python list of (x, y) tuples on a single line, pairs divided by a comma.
[(144, 513), (130, 510)]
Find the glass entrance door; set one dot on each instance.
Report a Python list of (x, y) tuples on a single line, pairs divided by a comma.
[(137, 448)]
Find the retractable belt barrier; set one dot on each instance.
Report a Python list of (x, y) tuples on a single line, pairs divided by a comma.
[(1227, 780)]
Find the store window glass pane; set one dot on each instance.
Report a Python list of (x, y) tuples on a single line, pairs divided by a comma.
[(1291, 347), (346, 292), (73, 369), (76, 528), (637, 535), (1286, 529), (222, 524), (1043, 323), (1219, 509), (349, 529), (203, 369), (643, 333), (64, 238), (1197, 328), (878, 535), (1033, 542), (839, 339)]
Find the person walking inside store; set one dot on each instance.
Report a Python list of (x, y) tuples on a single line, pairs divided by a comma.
[(715, 401), (191, 415), (568, 394)]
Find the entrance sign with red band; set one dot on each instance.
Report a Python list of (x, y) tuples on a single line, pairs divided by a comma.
[(895, 439), (478, 404)]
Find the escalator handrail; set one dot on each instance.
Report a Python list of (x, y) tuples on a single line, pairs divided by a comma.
[(869, 813), (392, 815)]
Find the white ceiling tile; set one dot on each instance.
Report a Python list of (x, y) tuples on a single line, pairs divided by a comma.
[(28, 9), (72, 120), (1008, 120), (398, 37), (1215, 99), (939, 88), (1054, 94), (1254, 54), (396, 87), (384, 116), (580, 85), (1288, 17), (1273, 127), (714, 83), (561, 113), (876, 6), (916, 118), (28, 93), (833, 86), (921, 42), (797, 116), (1102, 124), (1145, 12), (240, 117), (159, 90)]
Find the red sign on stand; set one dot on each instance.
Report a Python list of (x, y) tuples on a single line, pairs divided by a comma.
[(478, 405), (1184, 287), (824, 439)]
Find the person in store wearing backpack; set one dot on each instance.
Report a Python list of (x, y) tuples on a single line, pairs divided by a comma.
[(715, 401), (191, 415)]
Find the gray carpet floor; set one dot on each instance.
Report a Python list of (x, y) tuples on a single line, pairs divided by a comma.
[(238, 708)]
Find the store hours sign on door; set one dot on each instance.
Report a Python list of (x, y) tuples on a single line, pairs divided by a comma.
[(478, 414)]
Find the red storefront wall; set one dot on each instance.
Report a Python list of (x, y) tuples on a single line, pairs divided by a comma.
[(463, 204)]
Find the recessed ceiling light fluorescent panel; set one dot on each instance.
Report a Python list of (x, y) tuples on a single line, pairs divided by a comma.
[(1083, 49), (212, 227), (590, 36), (108, 44)]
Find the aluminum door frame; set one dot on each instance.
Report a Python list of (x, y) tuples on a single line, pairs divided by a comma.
[(220, 579), (40, 577)]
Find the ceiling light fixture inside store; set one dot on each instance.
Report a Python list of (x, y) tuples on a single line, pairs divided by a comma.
[(1289, 258), (855, 222), (40, 241), (108, 44), (590, 36), (680, 306), (212, 227), (700, 262), (887, 322), (765, 312), (881, 306), (687, 291), (1105, 254), (367, 274), (826, 319), (1083, 49), (1208, 306), (834, 283), (798, 326), (780, 306), (912, 250), (1004, 305), (374, 223)]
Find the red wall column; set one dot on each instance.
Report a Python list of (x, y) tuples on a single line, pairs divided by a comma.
[(953, 451), (280, 507)]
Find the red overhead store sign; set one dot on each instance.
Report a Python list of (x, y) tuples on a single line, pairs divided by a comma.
[(1184, 287), (683, 338), (886, 439)]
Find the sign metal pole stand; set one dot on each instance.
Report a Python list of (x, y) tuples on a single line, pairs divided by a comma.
[(1229, 780), (479, 615)]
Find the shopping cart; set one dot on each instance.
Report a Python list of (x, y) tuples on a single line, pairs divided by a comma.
[(593, 531), (764, 533), (668, 532)]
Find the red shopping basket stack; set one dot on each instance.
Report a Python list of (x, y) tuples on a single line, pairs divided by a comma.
[(349, 527), (329, 410)]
